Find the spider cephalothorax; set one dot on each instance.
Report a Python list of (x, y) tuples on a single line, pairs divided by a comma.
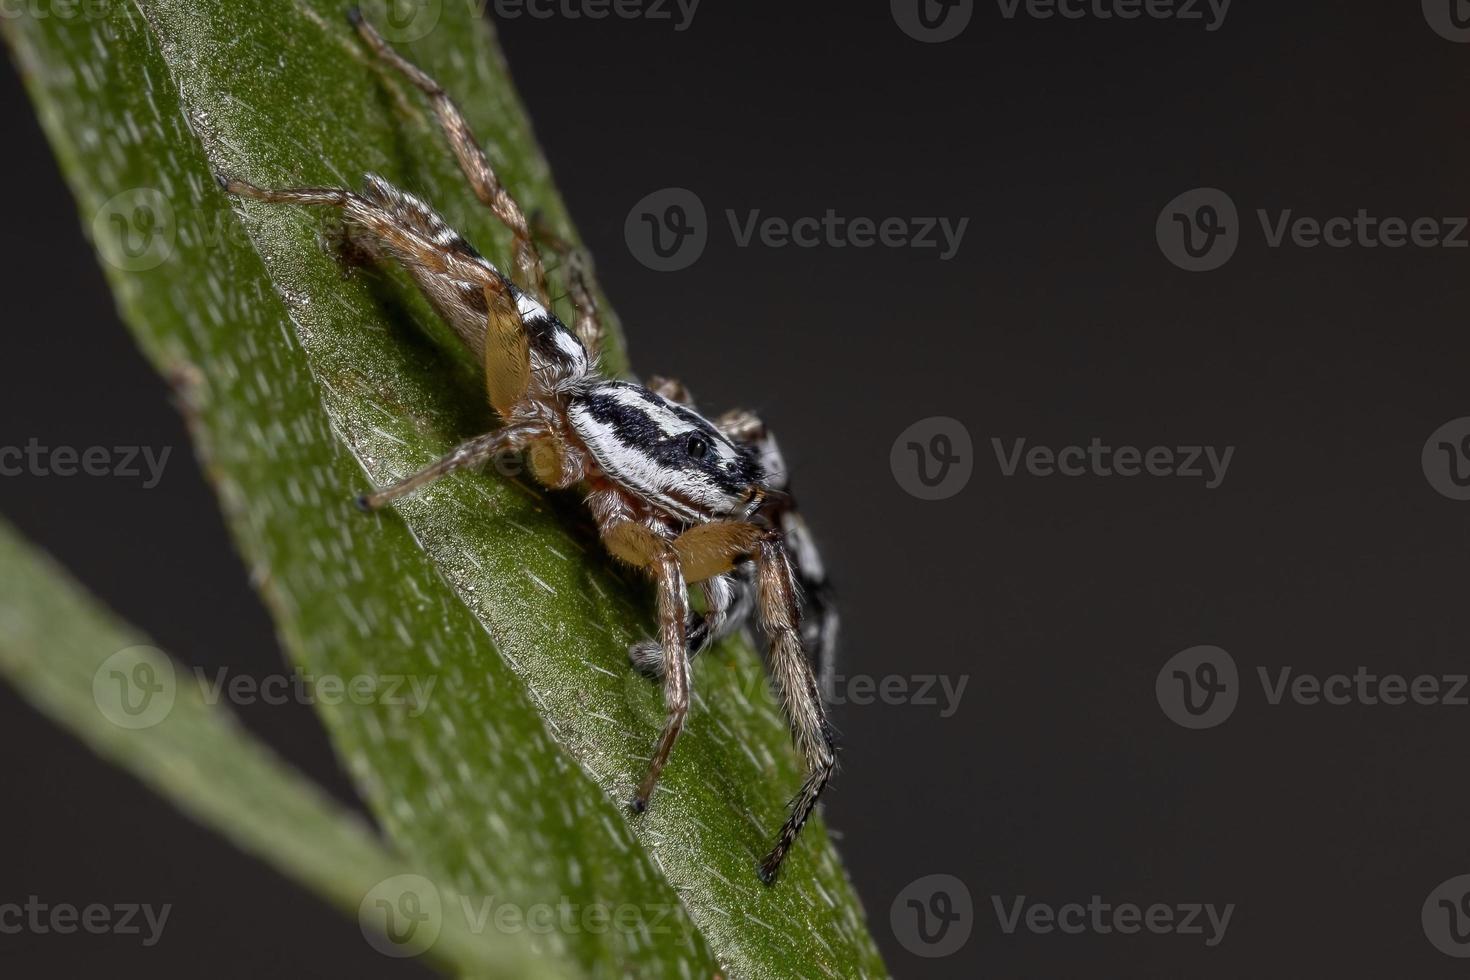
[(689, 500)]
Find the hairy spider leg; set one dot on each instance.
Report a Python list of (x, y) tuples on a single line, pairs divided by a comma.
[(471, 157), (416, 238), (581, 278), (780, 615)]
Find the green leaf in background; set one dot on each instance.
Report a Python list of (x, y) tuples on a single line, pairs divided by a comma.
[(305, 381), (79, 665)]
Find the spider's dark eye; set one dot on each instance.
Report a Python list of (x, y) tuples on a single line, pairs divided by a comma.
[(697, 447)]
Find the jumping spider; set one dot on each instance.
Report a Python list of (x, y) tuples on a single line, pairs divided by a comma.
[(687, 500)]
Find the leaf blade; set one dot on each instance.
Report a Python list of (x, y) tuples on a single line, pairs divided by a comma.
[(58, 647), (301, 391)]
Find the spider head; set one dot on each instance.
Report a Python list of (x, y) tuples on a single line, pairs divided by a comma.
[(666, 453)]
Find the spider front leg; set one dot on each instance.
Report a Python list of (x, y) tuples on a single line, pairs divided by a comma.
[(639, 546), (471, 453), (472, 160), (673, 607)]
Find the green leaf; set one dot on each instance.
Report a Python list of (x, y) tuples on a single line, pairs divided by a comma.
[(305, 382), (82, 667)]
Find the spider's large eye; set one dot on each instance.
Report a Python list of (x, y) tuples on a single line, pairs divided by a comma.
[(697, 447)]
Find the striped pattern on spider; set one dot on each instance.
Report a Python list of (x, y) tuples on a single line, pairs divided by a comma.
[(687, 500)]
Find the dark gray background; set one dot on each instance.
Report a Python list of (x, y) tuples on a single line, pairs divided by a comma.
[(1059, 777)]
